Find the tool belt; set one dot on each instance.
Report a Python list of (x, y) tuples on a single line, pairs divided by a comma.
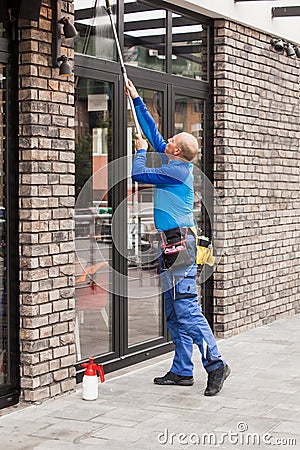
[(174, 247)]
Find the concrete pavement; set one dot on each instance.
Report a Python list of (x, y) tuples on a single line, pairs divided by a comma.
[(259, 406)]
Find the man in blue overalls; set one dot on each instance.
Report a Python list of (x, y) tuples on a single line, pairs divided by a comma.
[(173, 216)]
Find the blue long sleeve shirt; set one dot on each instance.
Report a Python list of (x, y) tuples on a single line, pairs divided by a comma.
[(173, 181)]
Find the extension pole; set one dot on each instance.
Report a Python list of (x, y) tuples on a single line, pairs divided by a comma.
[(123, 68), (136, 122)]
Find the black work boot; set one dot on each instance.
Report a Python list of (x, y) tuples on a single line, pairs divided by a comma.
[(216, 380), (172, 378)]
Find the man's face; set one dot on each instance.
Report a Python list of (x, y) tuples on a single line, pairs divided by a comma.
[(172, 146)]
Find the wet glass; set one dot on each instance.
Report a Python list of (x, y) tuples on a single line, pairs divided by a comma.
[(95, 35), (144, 292), (189, 48), (3, 273), (144, 35), (93, 213)]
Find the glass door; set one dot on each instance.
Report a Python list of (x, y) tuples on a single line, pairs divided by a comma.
[(94, 280), (145, 309)]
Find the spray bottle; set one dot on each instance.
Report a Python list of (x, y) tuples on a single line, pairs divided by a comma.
[(90, 380)]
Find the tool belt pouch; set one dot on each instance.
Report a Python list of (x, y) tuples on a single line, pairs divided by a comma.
[(175, 252), (204, 251)]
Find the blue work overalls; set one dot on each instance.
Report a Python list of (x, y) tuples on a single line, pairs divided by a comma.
[(185, 320)]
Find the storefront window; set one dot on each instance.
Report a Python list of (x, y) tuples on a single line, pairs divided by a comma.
[(3, 291), (189, 47), (144, 293), (93, 212), (144, 35), (95, 36)]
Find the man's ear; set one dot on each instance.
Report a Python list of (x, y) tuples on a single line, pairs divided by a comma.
[(177, 152)]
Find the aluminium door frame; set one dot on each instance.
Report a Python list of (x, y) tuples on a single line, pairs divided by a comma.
[(9, 393)]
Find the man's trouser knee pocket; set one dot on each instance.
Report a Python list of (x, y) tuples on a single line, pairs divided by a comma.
[(186, 286)]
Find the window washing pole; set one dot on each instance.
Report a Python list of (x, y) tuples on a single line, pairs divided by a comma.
[(123, 68), (136, 123)]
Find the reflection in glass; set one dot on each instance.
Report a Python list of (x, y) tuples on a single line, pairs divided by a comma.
[(95, 35), (144, 35), (144, 293), (189, 117), (5, 22), (93, 131), (189, 47), (3, 292)]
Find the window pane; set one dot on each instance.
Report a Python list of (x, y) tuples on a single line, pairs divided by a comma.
[(144, 293), (189, 47), (189, 117), (144, 35), (3, 291), (95, 35), (93, 212)]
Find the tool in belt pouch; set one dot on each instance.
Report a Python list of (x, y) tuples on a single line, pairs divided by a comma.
[(204, 251), (174, 248)]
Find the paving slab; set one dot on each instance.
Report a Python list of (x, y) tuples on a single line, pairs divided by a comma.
[(261, 397)]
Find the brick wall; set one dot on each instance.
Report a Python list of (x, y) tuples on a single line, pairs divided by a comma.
[(46, 208), (257, 176)]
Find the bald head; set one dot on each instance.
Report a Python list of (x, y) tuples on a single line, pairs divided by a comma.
[(188, 145)]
